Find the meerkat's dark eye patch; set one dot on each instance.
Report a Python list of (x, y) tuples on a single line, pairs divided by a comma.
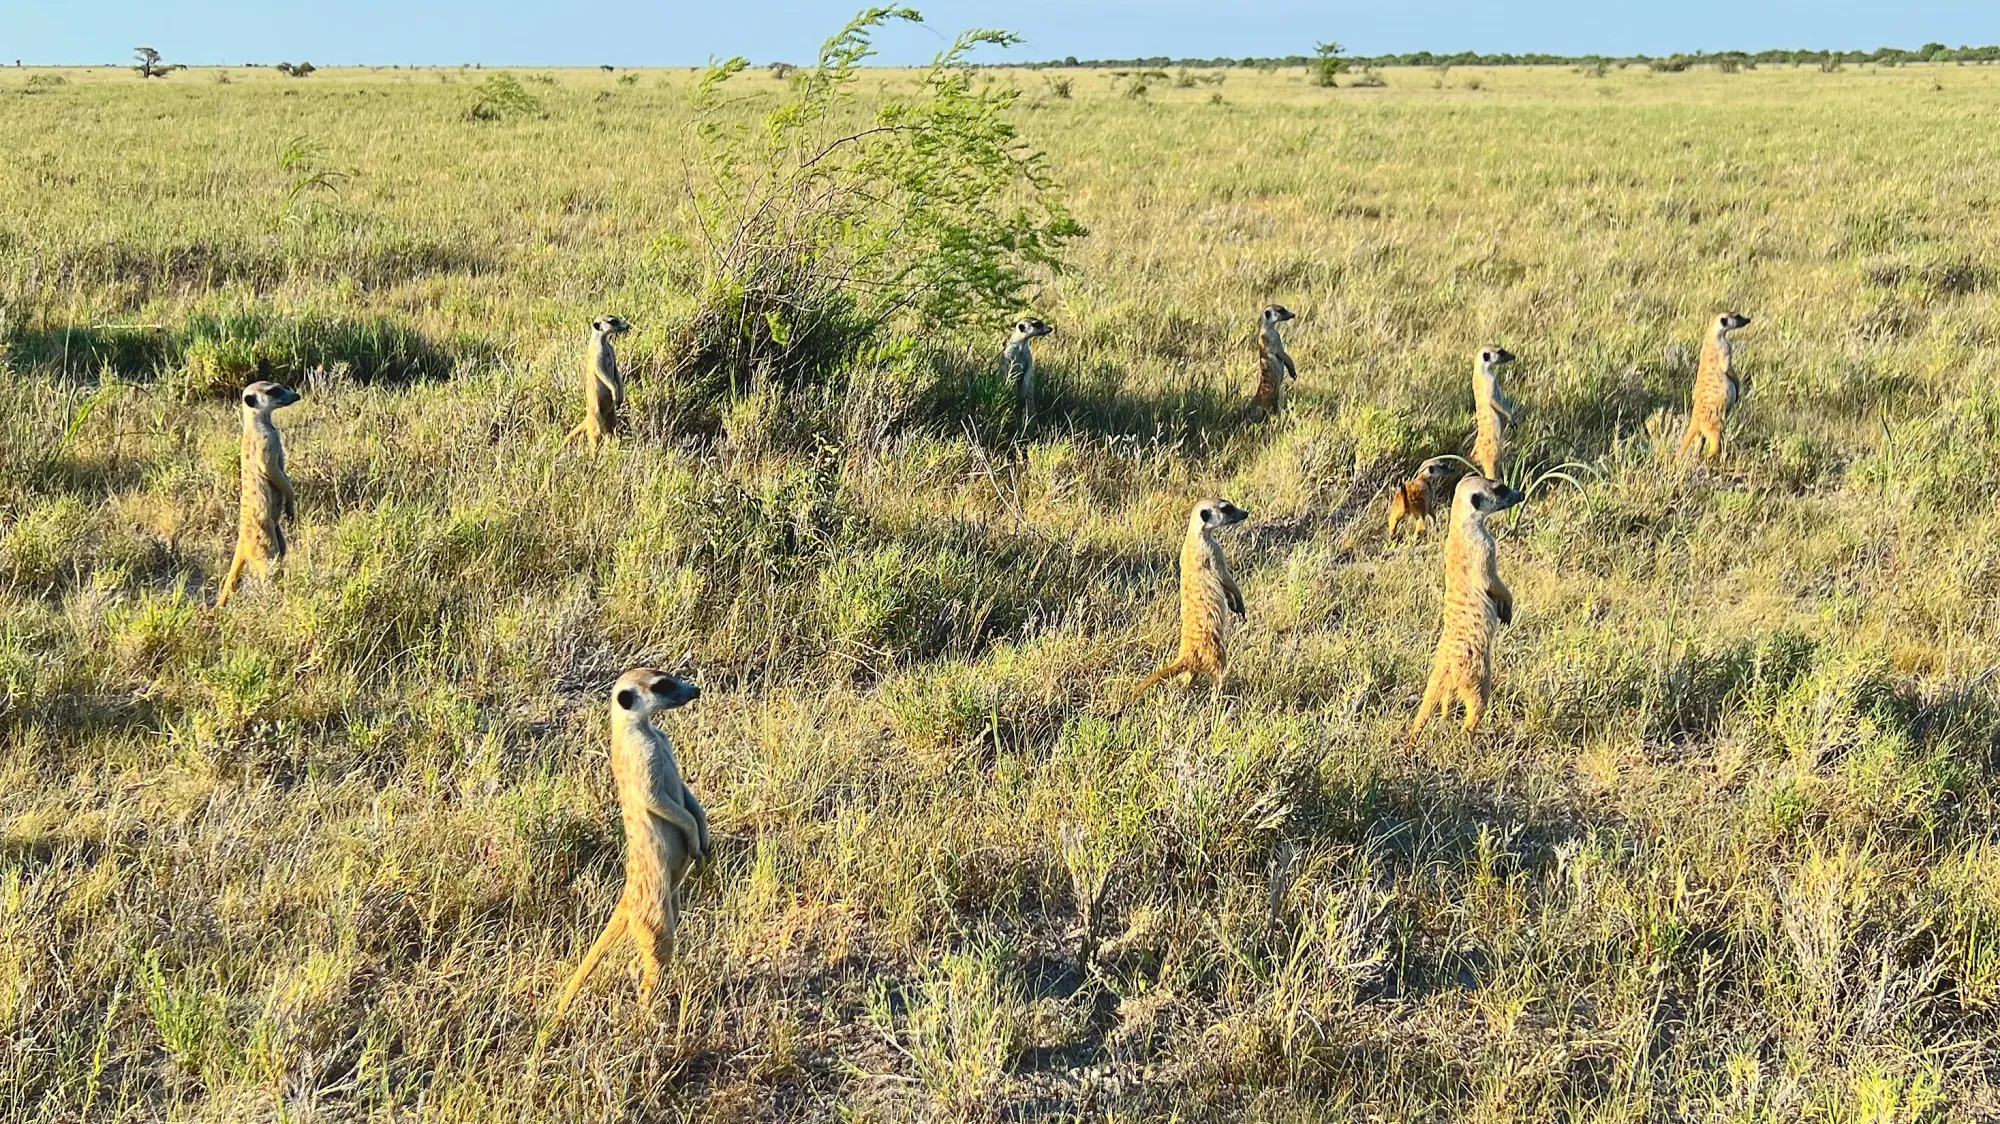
[(627, 698), (250, 399)]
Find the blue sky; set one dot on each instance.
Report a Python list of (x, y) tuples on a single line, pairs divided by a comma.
[(664, 32)]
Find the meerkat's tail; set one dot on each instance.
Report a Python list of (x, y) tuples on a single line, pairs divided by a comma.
[(1179, 666), (229, 583), (1424, 712), (1687, 440), (613, 929), (582, 429)]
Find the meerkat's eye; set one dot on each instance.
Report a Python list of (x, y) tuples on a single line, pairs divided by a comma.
[(628, 698), (250, 399)]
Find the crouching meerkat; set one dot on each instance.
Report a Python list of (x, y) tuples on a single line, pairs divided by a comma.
[(267, 496), (603, 386), (666, 829), (1491, 410), (1716, 387), (1415, 498), (1018, 363), (1274, 363), (1209, 595), (1476, 603)]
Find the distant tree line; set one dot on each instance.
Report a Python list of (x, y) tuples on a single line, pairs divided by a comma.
[(1883, 56)]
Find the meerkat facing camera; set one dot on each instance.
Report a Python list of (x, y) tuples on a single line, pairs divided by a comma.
[(666, 829), (1491, 411), (267, 497), (1476, 604)]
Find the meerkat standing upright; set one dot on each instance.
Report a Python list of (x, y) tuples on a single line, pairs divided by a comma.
[(1415, 498), (1491, 410), (1019, 363), (1476, 603), (267, 495), (603, 386), (1716, 387), (1274, 363), (665, 827), (1209, 595)]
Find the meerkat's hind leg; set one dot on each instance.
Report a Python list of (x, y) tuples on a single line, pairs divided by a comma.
[(655, 942), (1474, 701)]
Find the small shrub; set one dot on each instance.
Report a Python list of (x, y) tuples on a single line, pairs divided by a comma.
[(1830, 64), (628, 80), (298, 70), (39, 82), (1370, 79), (782, 70), (501, 96), (1475, 83), (1215, 98), (824, 236), (1062, 87), (1184, 80)]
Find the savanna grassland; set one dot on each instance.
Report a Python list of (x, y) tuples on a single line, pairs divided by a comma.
[(1724, 850)]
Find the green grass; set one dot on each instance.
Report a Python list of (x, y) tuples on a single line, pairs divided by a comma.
[(1723, 851)]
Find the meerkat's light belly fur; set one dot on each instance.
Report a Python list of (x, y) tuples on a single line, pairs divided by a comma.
[(259, 531)]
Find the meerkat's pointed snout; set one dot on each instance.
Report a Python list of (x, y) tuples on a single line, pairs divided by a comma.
[(1734, 321), (1506, 496)]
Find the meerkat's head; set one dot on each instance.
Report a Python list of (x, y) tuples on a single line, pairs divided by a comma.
[(1437, 470), (1031, 327), (1729, 322), (1276, 314), (644, 691), (1477, 497), (610, 326), (1491, 358), (263, 397), (1210, 514)]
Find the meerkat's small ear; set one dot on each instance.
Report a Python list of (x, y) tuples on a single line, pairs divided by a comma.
[(627, 698)]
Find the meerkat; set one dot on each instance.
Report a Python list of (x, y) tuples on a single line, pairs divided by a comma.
[(603, 386), (666, 829), (1492, 412), (267, 495), (1476, 603), (1019, 363), (1414, 498), (1716, 388), (1274, 363), (1209, 595)]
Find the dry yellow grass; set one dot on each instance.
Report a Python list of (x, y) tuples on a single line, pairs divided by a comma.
[(1724, 849)]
